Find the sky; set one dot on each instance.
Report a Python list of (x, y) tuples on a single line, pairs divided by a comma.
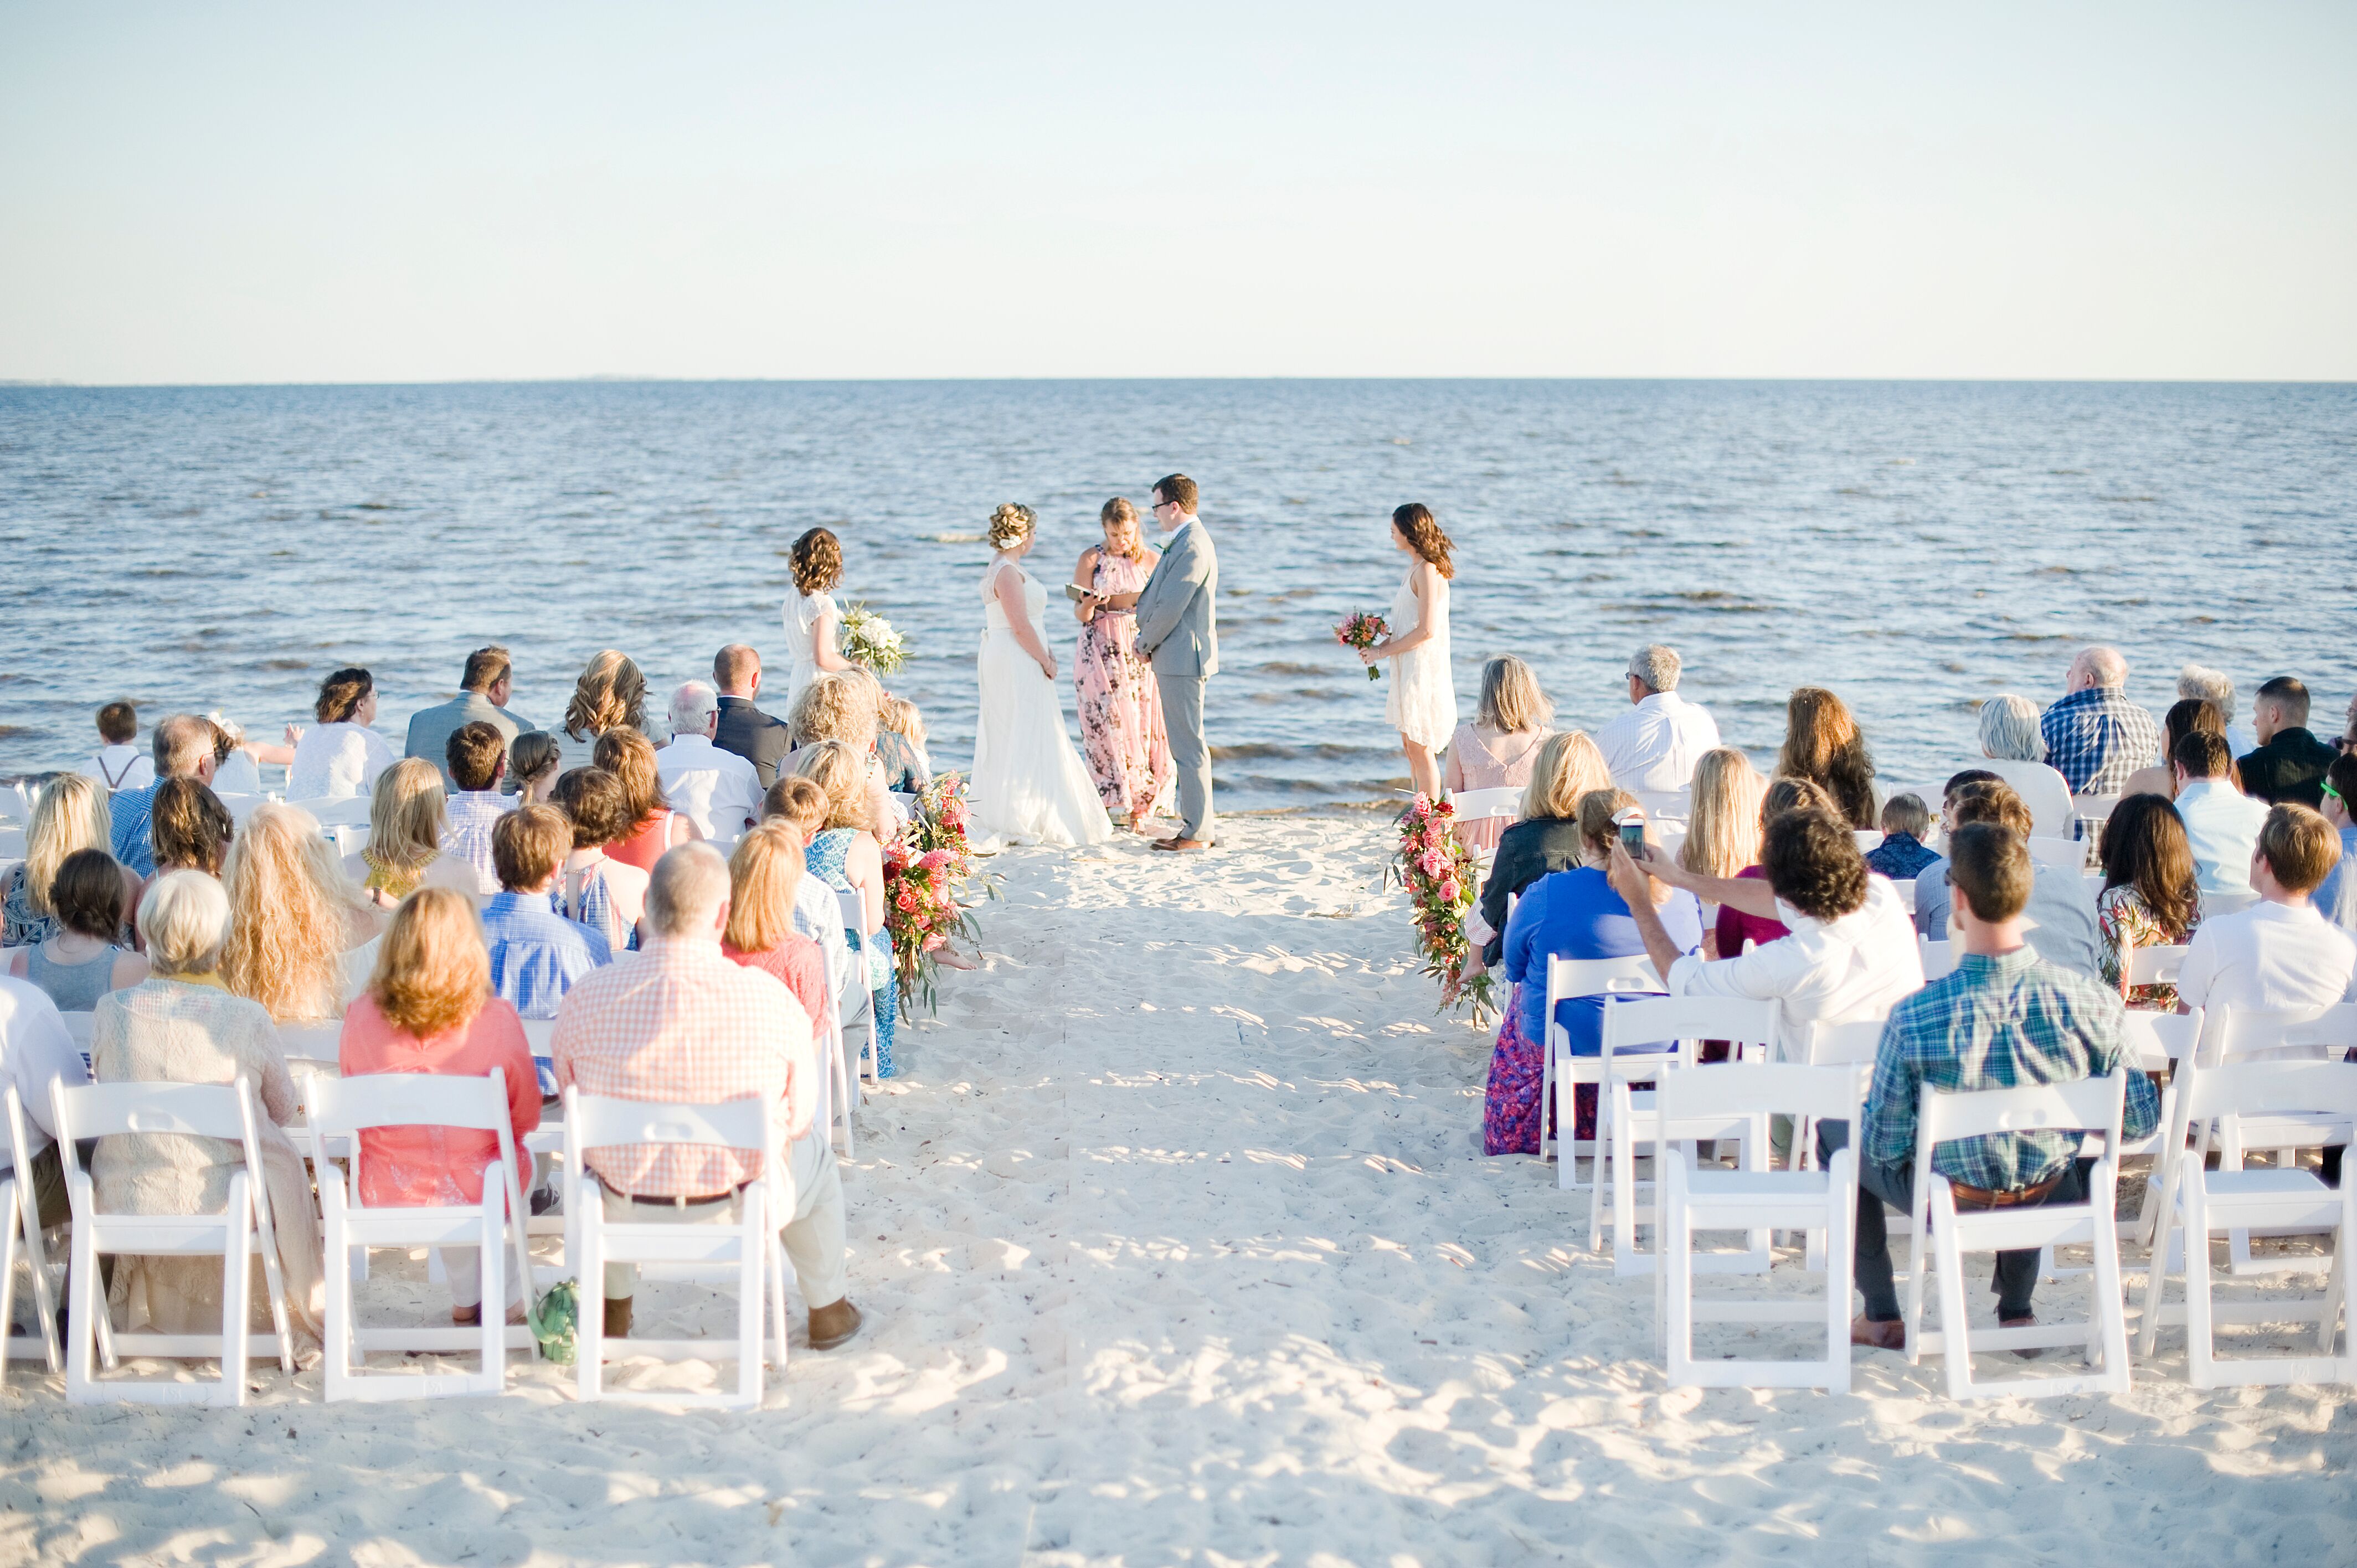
[(232, 193)]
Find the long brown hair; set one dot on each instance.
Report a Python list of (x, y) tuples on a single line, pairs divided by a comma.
[(1422, 531), (1823, 744), (816, 560), (2144, 848), (630, 758), (432, 972)]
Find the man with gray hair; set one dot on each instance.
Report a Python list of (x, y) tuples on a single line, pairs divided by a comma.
[(2202, 683), (685, 1025), (2095, 737), (1651, 749), (184, 749), (718, 790)]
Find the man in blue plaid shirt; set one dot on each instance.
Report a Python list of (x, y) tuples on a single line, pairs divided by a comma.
[(2095, 737), (2005, 1018)]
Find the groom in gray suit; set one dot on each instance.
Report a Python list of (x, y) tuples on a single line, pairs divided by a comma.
[(1178, 628)]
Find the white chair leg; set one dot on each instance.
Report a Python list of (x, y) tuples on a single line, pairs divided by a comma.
[(1955, 1335), (237, 1269), (589, 1286)]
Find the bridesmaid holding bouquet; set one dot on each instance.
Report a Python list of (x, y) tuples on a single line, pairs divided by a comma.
[(1121, 705)]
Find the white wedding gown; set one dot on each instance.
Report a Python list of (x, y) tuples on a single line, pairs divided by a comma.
[(1029, 784)]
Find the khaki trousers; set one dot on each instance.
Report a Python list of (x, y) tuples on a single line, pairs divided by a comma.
[(812, 1233)]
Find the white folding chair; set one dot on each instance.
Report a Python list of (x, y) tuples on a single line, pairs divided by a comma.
[(338, 810), (2068, 854), (1486, 805), (2232, 1034), (223, 1111), (2154, 1042), (1938, 959), (341, 1110), (861, 1013), (2155, 965), (1561, 1073), (2091, 1104), (1868, 838), (20, 1237), (239, 807), (2095, 810), (1854, 1046), (1666, 805), (2197, 1204), (1906, 891), (1627, 1118), (1749, 1200), (81, 1027), (750, 1248), (2226, 902)]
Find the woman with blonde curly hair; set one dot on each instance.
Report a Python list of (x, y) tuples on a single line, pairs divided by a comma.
[(812, 619), (404, 848), (70, 815), (1029, 786), (610, 695), (1421, 704), (847, 705), (654, 826), (294, 916), (846, 857), (429, 1009)]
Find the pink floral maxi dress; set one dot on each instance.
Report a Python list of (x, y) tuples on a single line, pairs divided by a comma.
[(1121, 706)]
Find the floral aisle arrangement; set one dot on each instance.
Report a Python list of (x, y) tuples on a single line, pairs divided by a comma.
[(1437, 871), (928, 876), (871, 640), (1362, 631)]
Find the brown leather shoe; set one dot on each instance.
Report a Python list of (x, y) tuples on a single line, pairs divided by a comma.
[(833, 1325), (1179, 843), (617, 1317), (2033, 1352), (1890, 1335)]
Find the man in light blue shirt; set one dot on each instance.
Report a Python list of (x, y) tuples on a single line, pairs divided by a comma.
[(2221, 824), (536, 954)]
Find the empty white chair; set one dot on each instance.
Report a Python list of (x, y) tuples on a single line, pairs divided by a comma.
[(1486, 805), (1628, 1119), (1560, 1072), (2069, 855), (2232, 1034), (20, 1237), (239, 806), (2091, 1104), (314, 1047), (748, 1247), (2156, 1042), (547, 1140), (1810, 1200), (189, 1110), (1938, 959), (2197, 1204), (1854, 1046)]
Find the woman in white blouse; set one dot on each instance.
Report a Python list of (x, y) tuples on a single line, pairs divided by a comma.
[(812, 619), (343, 755)]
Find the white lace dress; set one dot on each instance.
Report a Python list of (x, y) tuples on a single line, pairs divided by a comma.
[(1029, 784), (1422, 705), (801, 618)]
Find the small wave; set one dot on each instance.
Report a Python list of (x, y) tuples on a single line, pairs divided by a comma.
[(2130, 500), (946, 539), (1316, 751), (1287, 667), (21, 732)]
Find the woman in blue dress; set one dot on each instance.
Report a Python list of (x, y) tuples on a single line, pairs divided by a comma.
[(847, 857)]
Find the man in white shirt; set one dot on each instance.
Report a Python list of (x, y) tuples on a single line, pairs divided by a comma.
[(2279, 953), (35, 1047), (1651, 749), (2221, 824), (715, 790), (120, 765), (1851, 953)]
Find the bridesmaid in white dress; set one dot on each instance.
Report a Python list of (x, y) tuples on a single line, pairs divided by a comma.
[(811, 617), (1029, 786), (1423, 704)]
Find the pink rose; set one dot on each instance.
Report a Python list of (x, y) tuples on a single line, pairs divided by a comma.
[(1449, 889)]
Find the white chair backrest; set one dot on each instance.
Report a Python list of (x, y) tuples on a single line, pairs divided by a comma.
[(311, 1042), (1482, 805), (2226, 903), (2297, 1034), (241, 806), (81, 1027), (540, 1034), (599, 1121), (2094, 808), (1868, 838), (2095, 881), (2269, 1088), (2069, 855), (1906, 891), (1856, 1042), (855, 910), (1642, 1020), (1631, 976), (337, 810), (1829, 1093), (106, 1110), (1939, 960), (2152, 1042), (2087, 1104), (340, 1105), (2153, 966), (1666, 805)]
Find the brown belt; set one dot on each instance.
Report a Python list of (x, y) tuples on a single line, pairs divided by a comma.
[(695, 1202), (2003, 1198)]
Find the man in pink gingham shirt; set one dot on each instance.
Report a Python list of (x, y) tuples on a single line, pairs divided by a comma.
[(682, 1023)]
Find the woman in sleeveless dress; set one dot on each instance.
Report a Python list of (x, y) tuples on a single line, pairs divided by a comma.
[(1121, 706), (1423, 704), (845, 855), (1497, 749), (1029, 784), (810, 617)]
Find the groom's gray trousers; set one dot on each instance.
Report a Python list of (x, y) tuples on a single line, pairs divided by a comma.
[(1182, 715)]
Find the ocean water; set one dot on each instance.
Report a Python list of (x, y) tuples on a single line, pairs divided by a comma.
[(1915, 546)]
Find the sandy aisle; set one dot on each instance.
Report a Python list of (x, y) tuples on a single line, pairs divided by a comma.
[(1178, 1245)]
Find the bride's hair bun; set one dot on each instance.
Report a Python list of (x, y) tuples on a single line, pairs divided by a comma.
[(1010, 525)]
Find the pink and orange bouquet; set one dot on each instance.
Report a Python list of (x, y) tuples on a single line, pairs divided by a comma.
[(1362, 631), (1437, 871), (926, 874)]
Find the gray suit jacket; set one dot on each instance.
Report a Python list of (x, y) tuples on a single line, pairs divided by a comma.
[(430, 729), (1178, 612)]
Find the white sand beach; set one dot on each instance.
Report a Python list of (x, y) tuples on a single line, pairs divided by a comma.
[(1177, 1245)]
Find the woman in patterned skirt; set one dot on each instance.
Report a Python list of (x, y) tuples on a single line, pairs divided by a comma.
[(1121, 706)]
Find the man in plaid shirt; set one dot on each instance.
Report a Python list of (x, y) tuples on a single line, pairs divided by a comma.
[(2005, 1018), (2095, 737), (682, 1023)]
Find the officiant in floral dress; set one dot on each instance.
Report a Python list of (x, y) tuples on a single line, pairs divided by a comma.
[(1122, 735)]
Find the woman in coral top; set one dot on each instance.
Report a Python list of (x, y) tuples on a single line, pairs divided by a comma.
[(654, 826), (429, 1009)]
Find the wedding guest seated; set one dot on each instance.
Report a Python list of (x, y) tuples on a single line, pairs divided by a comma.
[(482, 699), (1735, 927), (535, 954), (1568, 914), (601, 892), (300, 939), (716, 791), (841, 707), (341, 756), (744, 728), (83, 959), (683, 1023), (2336, 895), (2221, 824), (237, 761), (2005, 1017), (1906, 823), (71, 815), (2216, 688), (846, 857), (763, 874), (181, 1025), (654, 827), (901, 747), (1851, 952), (610, 694), (1723, 832), (2288, 763), (534, 759), (1545, 840), (2095, 737), (2060, 917), (2151, 896), (1823, 745), (120, 765), (2016, 754), (818, 915), (475, 758), (1652, 748), (2280, 954), (429, 1009), (2183, 718), (183, 748), (407, 820), (35, 1047), (190, 830), (1501, 746)]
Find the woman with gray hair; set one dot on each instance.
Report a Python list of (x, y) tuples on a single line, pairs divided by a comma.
[(2016, 754), (182, 1026), (2216, 688)]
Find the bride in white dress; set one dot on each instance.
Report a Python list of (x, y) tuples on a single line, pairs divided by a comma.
[(1029, 785), (1423, 702)]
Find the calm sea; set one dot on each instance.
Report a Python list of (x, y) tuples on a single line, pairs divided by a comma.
[(1916, 546)]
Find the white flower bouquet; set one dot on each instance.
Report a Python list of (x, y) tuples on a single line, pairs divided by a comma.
[(870, 640)]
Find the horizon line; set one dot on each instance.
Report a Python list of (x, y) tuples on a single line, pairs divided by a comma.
[(59, 384)]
